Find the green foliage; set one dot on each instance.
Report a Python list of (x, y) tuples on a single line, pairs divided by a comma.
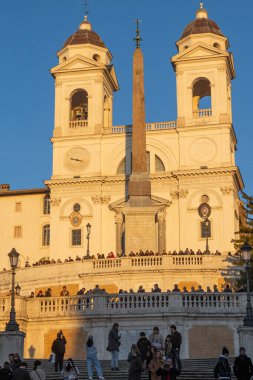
[(245, 234)]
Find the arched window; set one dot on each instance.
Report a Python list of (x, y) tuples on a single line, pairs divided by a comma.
[(202, 98), (46, 235), (159, 165), (216, 45), (46, 205), (79, 106)]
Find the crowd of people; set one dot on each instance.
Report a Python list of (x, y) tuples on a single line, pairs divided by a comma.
[(156, 355), (113, 255), (155, 289)]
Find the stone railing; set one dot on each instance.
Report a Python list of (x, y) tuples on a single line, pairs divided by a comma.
[(78, 124), (149, 127), (203, 113), (102, 304), (144, 262)]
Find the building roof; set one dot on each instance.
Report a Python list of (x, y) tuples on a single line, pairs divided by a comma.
[(8, 193), (202, 25), (84, 35)]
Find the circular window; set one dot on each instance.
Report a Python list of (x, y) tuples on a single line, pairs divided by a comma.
[(204, 198), (76, 207)]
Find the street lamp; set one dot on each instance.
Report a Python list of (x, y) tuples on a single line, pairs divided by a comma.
[(88, 227), (12, 324), (246, 251), (17, 289), (207, 232)]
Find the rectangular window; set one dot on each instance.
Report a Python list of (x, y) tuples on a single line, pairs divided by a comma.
[(46, 235), (17, 232), (205, 227), (76, 237), (46, 205), (18, 207)]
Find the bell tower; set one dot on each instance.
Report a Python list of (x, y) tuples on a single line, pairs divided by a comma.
[(84, 84), (204, 71)]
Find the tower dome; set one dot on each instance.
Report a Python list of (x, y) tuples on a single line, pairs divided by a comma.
[(85, 35), (202, 24)]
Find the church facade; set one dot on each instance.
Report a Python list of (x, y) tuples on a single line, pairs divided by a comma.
[(190, 161)]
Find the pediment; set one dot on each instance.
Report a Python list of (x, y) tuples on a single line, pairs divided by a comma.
[(199, 50), (156, 202), (77, 63)]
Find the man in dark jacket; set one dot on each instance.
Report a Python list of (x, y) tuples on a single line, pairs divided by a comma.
[(176, 341), (6, 372), (243, 368), (144, 346), (59, 348), (222, 368), (113, 346), (21, 373), (168, 371)]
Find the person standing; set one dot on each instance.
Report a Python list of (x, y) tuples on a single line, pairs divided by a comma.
[(243, 367), (176, 341), (155, 364), (156, 339), (59, 349), (113, 346), (37, 372), (222, 369), (92, 359), (135, 369), (143, 345)]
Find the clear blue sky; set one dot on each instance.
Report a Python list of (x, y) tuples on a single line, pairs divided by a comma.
[(32, 31)]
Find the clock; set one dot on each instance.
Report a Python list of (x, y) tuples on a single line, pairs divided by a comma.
[(77, 159)]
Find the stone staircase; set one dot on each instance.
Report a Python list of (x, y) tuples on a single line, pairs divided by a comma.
[(193, 369)]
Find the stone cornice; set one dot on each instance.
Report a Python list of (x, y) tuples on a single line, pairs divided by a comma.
[(121, 179)]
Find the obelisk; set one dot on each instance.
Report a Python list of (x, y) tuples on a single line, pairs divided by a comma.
[(139, 183), (140, 212)]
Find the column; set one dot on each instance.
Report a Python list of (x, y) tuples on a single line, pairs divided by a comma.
[(119, 231), (161, 231)]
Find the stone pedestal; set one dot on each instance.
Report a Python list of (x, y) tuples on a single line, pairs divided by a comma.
[(10, 342), (140, 229), (246, 339)]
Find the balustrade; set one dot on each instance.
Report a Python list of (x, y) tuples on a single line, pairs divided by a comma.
[(78, 124), (102, 304), (149, 127), (187, 260), (203, 113)]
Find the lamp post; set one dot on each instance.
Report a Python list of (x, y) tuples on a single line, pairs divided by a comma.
[(88, 227), (12, 324), (207, 230), (246, 251)]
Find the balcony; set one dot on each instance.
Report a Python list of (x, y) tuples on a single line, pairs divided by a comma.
[(149, 127), (203, 113), (76, 124)]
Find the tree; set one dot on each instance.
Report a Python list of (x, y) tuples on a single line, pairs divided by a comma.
[(245, 234)]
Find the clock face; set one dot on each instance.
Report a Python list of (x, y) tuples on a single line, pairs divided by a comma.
[(77, 159)]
